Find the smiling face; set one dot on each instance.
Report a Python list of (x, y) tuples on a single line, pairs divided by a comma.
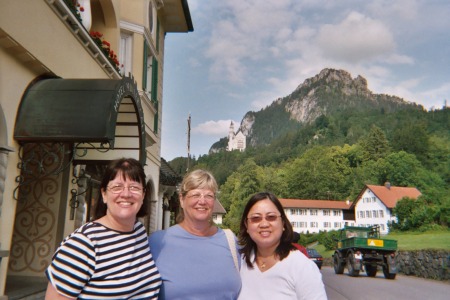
[(266, 234), (123, 198), (198, 205)]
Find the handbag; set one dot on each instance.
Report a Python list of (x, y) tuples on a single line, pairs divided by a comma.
[(232, 244)]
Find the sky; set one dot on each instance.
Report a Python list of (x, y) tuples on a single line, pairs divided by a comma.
[(245, 54)]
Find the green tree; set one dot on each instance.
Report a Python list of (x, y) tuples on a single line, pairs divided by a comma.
[(412, 138), (413, 214), (246, 181), (403, 211), (321, 173), (400, 169), (375, 145)]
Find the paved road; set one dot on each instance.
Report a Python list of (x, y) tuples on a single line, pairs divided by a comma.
[(344, 287)]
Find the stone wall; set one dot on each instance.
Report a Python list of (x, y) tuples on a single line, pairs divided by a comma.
[(432, 264)]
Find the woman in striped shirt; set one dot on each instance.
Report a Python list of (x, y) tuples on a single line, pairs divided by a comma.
[(109, 258)]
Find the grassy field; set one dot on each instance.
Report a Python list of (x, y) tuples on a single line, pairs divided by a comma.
[(427, 240), (410, 241)]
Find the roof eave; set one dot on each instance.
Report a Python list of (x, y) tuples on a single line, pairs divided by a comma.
[(176, 16)]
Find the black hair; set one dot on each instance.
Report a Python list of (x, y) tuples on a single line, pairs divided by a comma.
[(248, 245)]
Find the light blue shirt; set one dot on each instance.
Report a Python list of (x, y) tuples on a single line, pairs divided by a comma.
[(194, 267)]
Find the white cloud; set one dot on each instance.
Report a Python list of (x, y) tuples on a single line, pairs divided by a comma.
[(214, 128), (248, 32), (399, 59), (357, 38)]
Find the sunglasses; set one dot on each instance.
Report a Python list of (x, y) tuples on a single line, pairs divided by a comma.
[(258, 219)]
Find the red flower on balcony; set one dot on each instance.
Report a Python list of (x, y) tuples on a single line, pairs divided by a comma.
[(105, 47)]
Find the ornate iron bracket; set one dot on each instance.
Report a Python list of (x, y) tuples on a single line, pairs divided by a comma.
[(82, 181), (38, 160)]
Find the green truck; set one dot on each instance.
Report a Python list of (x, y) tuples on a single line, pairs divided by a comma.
[(362, 248)]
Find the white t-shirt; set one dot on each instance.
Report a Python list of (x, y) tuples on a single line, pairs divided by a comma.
[(295, 277)]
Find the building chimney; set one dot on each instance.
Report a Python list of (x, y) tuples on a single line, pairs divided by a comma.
[(347, 202), (387, 184)]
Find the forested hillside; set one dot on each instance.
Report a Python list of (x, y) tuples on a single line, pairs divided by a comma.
[(329, 138)]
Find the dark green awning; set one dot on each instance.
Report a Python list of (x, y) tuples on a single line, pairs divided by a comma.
[(87, 112)]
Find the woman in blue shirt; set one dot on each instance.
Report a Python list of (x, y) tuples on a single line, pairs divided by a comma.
[(194, 256)]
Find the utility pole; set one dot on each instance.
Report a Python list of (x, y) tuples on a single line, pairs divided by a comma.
[(188, 142)]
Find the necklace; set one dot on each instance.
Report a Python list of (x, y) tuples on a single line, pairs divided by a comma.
[(266, 262), (262, 265)]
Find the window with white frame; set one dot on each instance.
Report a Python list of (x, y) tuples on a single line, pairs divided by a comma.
[(313, 224), (375, 213), (149, 69), (337, 224), (303, 224), (126, 53), (361, 214), (336, 213), (326, 212), (313, 212), (326, 224), (368, 214), (381, 213)]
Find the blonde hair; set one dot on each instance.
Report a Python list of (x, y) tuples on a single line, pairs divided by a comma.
[(197, 179)]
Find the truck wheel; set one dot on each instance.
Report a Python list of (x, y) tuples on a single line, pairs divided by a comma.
[(386, 273), (371, 270), (338, 264), (351, 265)]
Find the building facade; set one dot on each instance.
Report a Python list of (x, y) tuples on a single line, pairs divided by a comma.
[(80, 85), (312, 216), (374, 204)]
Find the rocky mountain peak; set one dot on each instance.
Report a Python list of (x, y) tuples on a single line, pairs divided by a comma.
[(329, 92), (337, 78)]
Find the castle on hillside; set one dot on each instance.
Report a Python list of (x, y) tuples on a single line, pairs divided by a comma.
[(236, 140)]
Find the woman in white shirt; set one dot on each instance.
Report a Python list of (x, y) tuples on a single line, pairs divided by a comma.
[(272, 267)]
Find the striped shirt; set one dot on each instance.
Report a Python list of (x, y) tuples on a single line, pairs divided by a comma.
[(96, 262)]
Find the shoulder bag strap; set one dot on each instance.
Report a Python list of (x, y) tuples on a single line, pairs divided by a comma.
[(232, 244)]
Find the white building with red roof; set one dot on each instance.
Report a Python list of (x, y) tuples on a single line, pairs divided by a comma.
[(318, 215), (374, 204)]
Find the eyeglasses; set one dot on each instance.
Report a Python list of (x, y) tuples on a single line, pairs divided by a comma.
[(258, 219), (117, 189), (198, 196)]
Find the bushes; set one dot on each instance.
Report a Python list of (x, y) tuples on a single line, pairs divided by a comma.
[(328, 239), (416, 215)]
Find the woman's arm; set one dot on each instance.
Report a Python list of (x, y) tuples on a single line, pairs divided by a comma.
[(52, 294)]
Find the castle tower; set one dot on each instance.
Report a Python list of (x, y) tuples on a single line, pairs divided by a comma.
[(236, 140), (231, 136)]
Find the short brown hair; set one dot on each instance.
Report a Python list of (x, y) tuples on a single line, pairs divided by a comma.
[(197, 179)]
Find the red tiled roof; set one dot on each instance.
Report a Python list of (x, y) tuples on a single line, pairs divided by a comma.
[(300, 203), (391, 195)]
